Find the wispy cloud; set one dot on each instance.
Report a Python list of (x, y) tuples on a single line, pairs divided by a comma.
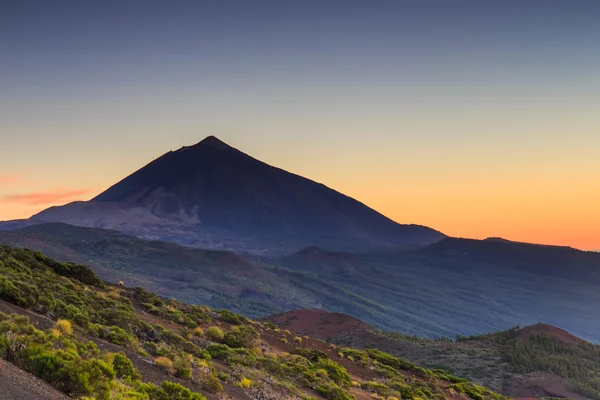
[(7, 178), (56, 195)]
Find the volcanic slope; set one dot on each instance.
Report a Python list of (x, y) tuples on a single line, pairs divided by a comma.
[(213, 196)]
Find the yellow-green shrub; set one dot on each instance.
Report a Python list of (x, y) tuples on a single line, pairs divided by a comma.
[(215, 333), (64, 326)]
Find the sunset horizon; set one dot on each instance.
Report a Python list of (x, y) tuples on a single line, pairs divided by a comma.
[(26, 204), (476, 120)]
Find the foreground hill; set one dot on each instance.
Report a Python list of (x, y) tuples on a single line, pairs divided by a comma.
[(217, 278), (421, 292), (91, 339), (213, 196), (537, 361)]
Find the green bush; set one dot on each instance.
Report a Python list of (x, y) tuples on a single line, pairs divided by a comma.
[(228, 316), (177, 392), (124, 367), (183, 367), (215, 333), (116, 335), (241, 336), (335, 371), (211, 384), (220, 351), (333, 392)]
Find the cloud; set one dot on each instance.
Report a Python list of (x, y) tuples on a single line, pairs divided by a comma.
[(7, 178), (56, 195)]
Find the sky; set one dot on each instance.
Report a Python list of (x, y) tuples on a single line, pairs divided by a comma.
[(475, 118)]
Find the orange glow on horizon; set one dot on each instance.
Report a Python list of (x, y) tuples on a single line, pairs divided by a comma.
[(481, 212)]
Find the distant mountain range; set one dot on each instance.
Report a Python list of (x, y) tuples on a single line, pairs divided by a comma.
[(455, 286), (213, 196)]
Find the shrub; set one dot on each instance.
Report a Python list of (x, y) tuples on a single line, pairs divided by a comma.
[(211, 384), (376, 387), (215, 333), (228, 316), (71, 270), (387, 359), (124, 367), (241, 336), (312, 355), (245, 383), (116, 335), (322, 373), (298, 339), (66, 371), (335, 371), (333, 392), (177, 392), (165, 363), (64, 327), (183, 367), (217, 350), (283, 340), (198, 331), (18, 292)]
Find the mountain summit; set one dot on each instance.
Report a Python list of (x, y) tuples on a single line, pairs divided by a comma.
[(214, 196)]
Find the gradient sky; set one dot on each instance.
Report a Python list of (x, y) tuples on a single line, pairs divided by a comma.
[(477, 118)]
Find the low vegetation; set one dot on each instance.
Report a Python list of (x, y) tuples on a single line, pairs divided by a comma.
[(99, 341), (577, 362)]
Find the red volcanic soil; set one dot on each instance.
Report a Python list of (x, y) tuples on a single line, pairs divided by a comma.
[(318, 324), (539, 385), (548, 330)]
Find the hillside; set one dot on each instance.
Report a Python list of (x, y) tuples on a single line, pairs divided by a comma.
[(213, 196), (465, 286), (210, 277), (557, 261), (91, 339), (321, 324), (415, 292), (537, 361)]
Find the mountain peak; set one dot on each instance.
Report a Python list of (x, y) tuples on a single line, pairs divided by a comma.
[(209, 142), (214, 142)]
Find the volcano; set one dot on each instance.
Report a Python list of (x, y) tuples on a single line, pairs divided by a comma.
[(214, 196)]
